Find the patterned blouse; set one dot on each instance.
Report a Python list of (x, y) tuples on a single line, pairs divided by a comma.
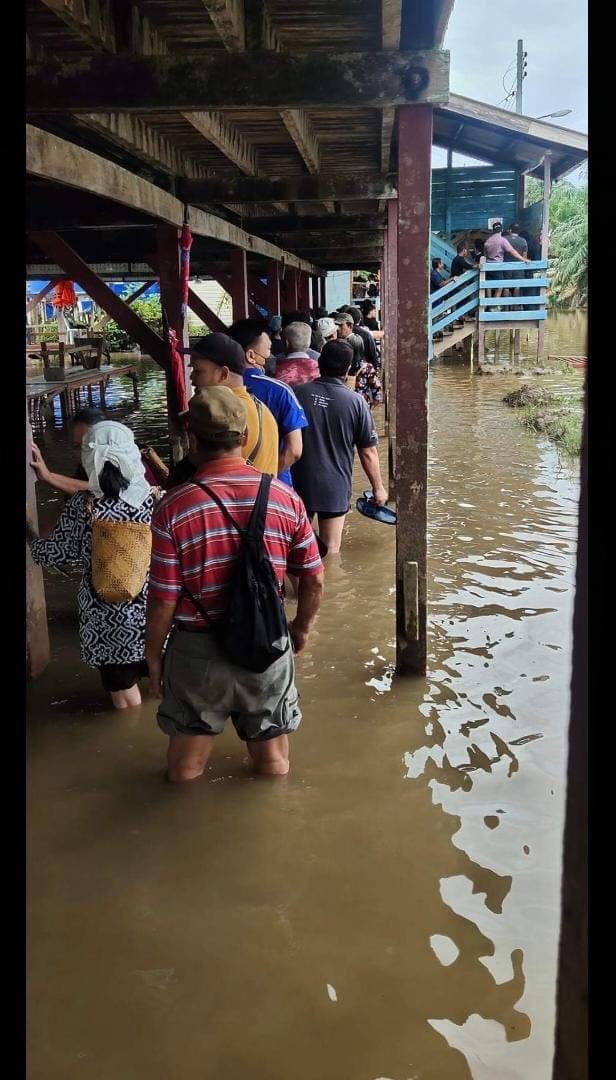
[(108, 633)]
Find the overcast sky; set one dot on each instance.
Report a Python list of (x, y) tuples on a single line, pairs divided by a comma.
[(482, 36)]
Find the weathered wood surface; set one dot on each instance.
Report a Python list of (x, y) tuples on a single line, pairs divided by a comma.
[(258, 80), (289, 188), (415, 141), (38, 387), (53, 158)]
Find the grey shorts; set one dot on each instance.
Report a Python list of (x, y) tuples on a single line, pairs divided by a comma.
[(202, 688)]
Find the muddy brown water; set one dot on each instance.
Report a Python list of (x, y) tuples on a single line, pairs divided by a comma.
[(390, 910)]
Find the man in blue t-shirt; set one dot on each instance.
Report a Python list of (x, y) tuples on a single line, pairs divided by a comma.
[(279, 397)]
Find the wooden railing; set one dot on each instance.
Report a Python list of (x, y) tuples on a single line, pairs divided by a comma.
[(529, 306), (454, 300)]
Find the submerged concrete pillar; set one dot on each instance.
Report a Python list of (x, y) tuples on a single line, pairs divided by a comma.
[(411, 392)]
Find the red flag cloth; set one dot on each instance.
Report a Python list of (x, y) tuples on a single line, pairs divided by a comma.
[(63, 295), (176, 361), (185, 246)]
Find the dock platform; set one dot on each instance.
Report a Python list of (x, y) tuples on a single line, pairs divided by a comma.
[(39, 392)]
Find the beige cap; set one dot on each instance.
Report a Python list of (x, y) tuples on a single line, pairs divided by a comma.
[(215, 412)]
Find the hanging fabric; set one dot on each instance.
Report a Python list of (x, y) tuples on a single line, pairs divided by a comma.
[(64, 295)]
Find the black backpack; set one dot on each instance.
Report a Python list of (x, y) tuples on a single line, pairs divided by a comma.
[(253, 632)]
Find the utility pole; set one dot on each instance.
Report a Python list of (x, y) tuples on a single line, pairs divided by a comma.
[(521, 74)]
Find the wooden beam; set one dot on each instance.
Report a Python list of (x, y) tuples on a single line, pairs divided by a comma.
[(30, 306), (273, 288), (228, 18), (294, 224), (226, 138), (144, 142), (255, 80), (288, 290), (301, 131), (205, 313), (91, 21), (391, 21), (78, 270), (53, 158), (101, 323), (411, 424), (239, 285), (290, 188)]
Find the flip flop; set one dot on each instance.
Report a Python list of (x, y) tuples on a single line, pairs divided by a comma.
[(384, 514)]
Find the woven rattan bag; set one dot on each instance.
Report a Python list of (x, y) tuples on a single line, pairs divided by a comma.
[(120, 558)]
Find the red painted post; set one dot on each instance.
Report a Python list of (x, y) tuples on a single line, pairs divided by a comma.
[(392, 324), (303, 295), (239, 285), (412, 350), (288, 289), (168, 265), (273, 288)]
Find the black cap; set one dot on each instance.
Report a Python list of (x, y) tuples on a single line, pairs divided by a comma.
[(497, 226), (221, 350), (336, 354)]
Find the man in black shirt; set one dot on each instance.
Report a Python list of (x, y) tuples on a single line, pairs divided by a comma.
[(461, 262), (362, 331)]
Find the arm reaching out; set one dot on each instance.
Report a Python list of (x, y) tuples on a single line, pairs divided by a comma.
[(158, 623), (369, 457), (309, 597), (66, 484)]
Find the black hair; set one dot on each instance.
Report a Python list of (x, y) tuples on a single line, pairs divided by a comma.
[(515, 228), (89, 416), (355, 314), (247, 331), (436, 263), (111, 481), (228, 440), (461, 246), (335, 359), (295, 316)]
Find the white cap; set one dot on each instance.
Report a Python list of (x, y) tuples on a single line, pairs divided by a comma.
[(327, 327)]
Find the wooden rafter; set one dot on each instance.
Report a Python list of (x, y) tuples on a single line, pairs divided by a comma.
[(391, 22), (228, 18), (290, 188), (92, 21), (226, 138), (301, 131), (142, 140), (53, 158)]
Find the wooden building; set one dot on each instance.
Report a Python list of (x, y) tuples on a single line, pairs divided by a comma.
[(295, 136)]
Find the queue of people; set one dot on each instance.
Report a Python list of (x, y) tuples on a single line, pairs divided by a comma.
[(165, 553)]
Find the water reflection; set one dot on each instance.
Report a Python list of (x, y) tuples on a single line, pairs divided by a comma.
[(392, 909)]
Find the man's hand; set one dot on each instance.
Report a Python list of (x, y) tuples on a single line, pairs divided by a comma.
[(155, 670), (39, 466), (380, 495), (299, 638)]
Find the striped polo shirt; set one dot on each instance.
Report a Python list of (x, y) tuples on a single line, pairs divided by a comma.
[(195, 545)]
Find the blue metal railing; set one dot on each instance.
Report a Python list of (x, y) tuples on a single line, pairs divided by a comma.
[(454, 300), (529, 306)]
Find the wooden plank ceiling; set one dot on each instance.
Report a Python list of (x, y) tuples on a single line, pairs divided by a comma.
[(170, 147)]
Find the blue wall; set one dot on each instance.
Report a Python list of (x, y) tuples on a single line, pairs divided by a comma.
[(465, 198)]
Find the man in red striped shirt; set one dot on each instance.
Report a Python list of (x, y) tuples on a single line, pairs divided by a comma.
[(194, 551)]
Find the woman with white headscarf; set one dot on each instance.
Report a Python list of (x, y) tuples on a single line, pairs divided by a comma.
[(113, 518)]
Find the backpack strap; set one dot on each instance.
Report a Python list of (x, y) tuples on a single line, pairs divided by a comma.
[(256, 525), (220, 504), (250, 460)]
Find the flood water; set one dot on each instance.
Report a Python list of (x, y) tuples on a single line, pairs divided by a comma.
[(390, 910)]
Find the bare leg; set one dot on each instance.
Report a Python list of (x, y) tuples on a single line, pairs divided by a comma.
[(126, 699), (270, 757), (330, 531), (187, 756)]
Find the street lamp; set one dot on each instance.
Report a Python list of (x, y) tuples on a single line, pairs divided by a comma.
[(548, 115)]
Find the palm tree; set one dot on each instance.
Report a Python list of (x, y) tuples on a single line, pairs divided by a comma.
[(568, 241)]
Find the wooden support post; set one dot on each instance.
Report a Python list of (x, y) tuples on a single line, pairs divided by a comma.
[(74, 266), (37, 635), (303, 298), (545, 240), (448, 194), (273, 288), (288, 289), (412, 352), (392, 334), (323, 291), (571, 1056), (168, 262), (516, 345), (239, 285), (481, 340), (32, 304)]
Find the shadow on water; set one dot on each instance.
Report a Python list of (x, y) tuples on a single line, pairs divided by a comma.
[(391, 909)]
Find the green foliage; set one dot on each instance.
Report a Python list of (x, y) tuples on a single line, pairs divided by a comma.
[(49, 332), (568, 249), (149, 310), (562, 424)]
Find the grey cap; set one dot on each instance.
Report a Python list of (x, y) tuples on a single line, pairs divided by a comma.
[(344, 319)]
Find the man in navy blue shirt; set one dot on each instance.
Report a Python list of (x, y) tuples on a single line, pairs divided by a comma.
[(279, 397)]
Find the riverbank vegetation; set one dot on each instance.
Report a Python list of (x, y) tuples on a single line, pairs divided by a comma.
[(568, 241), (557, 417)]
